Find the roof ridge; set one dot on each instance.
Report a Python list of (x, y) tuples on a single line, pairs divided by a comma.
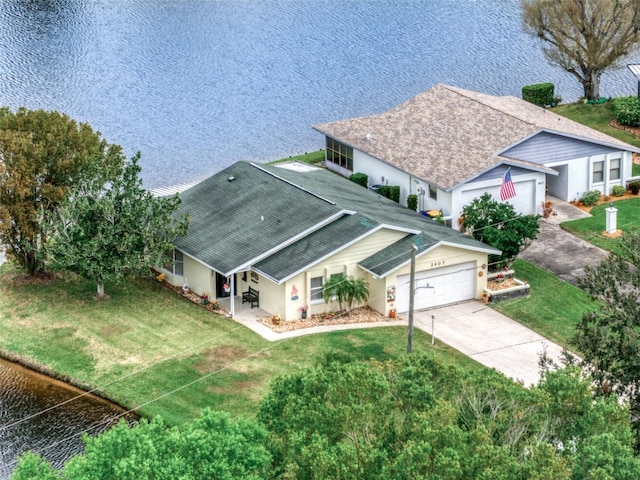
[(299, 187), (459, 91)]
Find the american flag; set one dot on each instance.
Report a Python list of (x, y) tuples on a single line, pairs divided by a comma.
[(507, 190)]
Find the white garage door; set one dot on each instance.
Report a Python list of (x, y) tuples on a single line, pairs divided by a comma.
[(440, 286), (523, 202)]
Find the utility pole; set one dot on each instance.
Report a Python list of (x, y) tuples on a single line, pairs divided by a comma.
[(412, 290)]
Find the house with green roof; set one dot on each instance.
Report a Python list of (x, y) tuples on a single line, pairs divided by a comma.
[(449, 145), (283, 231)]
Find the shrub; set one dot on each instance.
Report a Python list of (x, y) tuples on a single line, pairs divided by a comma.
[(627, 110), (539, 94), (634, 187), (591, 198), (412, 202), (618, 190), (360, 178), (390, 191), (394, 193)]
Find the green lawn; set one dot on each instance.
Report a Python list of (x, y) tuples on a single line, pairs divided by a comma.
[(591, 229), (597, 117), (554, 307), (170, 342)]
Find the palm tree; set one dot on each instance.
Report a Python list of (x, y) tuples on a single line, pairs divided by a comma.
[(358, 291), (344, 289), (336, 288)]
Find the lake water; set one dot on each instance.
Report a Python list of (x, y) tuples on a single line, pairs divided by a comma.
[(197, 85), (55, 434)]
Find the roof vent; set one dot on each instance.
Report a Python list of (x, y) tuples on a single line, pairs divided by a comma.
[(231, 178), (369, 136)]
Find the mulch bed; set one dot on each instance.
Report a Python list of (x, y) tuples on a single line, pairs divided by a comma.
[(357, 315), (195, 298), (495, 285)]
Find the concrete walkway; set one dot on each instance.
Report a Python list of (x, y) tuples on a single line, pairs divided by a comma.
[(474, 329)]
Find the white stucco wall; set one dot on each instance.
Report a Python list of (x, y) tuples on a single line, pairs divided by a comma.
[(579, 175), (492, 186)]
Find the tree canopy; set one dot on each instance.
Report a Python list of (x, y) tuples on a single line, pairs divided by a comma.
[(584, 37), (410, 418), (109, 227), (497, 224), (42, 154), (609, 338), (211, 447)]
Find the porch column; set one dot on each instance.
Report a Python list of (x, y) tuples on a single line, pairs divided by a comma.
[(232, 284)]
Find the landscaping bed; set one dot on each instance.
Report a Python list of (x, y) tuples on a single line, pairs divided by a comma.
[(504, 286), (357, 315)]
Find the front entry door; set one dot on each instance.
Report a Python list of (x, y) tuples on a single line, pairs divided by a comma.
[(220, 281)]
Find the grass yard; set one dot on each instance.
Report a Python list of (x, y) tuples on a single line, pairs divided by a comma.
[(144, 342), (554, 307), (591, 229), (596, 117), (311, 158)]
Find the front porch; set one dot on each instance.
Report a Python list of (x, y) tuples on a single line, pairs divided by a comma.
[(242, 311)]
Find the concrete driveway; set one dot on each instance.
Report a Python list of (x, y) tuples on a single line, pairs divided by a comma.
[(474, 329), (560, 252), (490, 338)]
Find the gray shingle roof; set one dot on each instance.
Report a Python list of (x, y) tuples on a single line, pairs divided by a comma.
[(447, 135), (281, 221), (372, 211), (238, 221)]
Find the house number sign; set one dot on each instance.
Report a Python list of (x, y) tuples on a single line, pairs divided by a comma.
[(439, 263)]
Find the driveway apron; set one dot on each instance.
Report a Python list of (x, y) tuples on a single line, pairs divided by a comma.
[(490, 338)]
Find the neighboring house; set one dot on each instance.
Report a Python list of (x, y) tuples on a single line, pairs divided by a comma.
[(450, 145), (285, 230)]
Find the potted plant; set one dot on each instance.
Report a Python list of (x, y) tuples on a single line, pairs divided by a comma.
[(275, 319), (500, 277), (204, 299), (215, 305), (392, 312), (226, 287), (304, 310)]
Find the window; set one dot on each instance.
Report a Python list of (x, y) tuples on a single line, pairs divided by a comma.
[(175, 262), (316, 289), (340, 154), (614, 169), (598, 172), (433, 192)]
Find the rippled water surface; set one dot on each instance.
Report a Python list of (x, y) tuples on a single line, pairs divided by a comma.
[(55, 434), (196, 85)]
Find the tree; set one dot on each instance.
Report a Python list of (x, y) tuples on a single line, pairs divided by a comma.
[(42, 154), (584, 37), (609, 338), (110, 228), (497, 224), (213, 446), (347, 290), (418, 418)]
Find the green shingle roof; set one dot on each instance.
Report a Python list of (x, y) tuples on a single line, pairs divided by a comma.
[(243, 213), (280, 221)]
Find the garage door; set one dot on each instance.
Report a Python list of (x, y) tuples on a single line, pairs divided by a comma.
[(439, 286), (523, 202)]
